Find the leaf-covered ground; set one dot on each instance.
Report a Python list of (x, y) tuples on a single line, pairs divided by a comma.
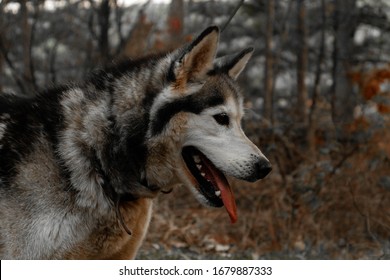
[(336, 207)]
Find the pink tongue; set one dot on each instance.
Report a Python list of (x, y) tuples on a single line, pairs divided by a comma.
[(226, 193)]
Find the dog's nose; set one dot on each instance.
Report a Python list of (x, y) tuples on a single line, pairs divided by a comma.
[(263, 168)]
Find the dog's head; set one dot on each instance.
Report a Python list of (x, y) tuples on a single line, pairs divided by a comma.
[(195, 130)]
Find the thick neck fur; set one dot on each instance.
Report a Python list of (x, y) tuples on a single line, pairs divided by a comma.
[(106, 124), (97, 130)]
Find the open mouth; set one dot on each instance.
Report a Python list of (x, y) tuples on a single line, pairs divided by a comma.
[(212, 183)]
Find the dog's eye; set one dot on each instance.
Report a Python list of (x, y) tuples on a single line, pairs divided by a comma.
[(222, 119)]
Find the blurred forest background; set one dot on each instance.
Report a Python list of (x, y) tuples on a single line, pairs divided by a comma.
[(318, 105)]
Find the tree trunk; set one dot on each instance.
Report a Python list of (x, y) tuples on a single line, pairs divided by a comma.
[(311, 140), (26, 33), (1, 70), (268, 77), (176, 23), (343, 99), (302, 54), (104, 25), (2, 32), (136, 43)]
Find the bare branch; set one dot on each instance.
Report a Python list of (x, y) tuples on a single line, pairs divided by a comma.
[(232, 15), (118, 21), (345, 157), (52, 63), (91, 21), (11, 66), (317, 84), (32, 37)]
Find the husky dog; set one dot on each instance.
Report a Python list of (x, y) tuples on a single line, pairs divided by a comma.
[(80, 164)]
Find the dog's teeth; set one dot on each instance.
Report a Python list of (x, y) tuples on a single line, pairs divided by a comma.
[(203, 174), (199, 166), (197, 159), (218, 193)]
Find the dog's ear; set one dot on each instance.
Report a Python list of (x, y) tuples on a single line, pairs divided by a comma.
[(197, 58), (234, 64)]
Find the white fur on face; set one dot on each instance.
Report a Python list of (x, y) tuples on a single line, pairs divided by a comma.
[(227, 147)]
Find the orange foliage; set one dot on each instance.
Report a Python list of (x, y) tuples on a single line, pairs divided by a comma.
[(384, 108), (355, 77), (360, 123), (383, 74), (369, 83), (371, 89), (380, 142), (188, 38), (175, 25)]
